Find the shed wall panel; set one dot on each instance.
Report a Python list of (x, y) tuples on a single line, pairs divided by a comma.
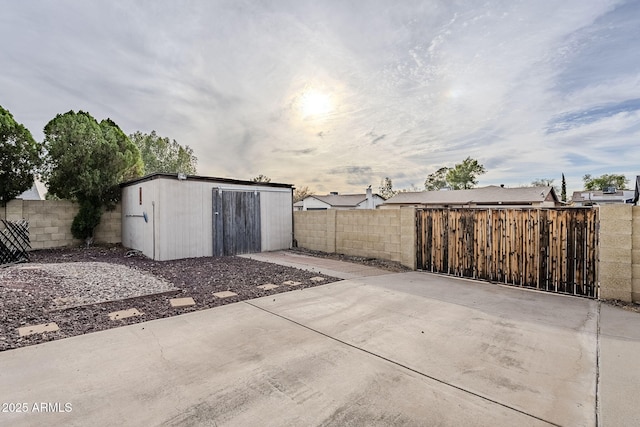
[(184, 220), (276, 218), (136, 233)]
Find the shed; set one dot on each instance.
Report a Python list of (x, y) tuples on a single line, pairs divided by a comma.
[(169, 216)]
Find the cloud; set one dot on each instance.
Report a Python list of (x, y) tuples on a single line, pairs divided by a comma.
[(351, 170), (530, 89), (295, 152), (579, 118)]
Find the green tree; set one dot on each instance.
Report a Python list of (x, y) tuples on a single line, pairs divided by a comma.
[(301, 193), (85, 162), (261, 178), (437, 180), (464, 175), (386, 188), (603, 181), (161, 155), (19, 157), (563, 194)]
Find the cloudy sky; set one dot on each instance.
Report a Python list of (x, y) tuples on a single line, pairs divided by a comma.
[(337, 95)]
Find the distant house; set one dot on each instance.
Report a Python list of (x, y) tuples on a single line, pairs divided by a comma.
[(606, 197), (31, 194), (484, 197), (339, 201)]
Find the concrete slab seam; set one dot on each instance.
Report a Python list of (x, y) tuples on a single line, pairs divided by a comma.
[(488, 399)]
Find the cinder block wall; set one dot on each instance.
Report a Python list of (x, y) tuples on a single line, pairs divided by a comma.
[(384, 234), (310, 230), (619, 248), (635, 255), (50, 222)]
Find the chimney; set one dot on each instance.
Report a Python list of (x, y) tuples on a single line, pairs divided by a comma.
[(370, 198)]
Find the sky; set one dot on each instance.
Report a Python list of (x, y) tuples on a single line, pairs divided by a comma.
[(337, 95)]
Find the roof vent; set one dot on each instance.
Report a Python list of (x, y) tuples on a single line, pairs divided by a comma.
[(609, 190)]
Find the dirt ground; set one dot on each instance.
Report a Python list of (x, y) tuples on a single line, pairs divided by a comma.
[(31, 295)]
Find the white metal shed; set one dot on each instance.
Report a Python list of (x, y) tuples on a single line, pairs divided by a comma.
[(169, 216)]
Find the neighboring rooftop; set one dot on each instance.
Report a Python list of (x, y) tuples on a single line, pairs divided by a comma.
[(597, 197), (491, 195), (31, 194), (342, 200)]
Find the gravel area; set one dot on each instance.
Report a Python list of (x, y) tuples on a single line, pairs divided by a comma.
[(77, 288), (83, 283), (371, 262)]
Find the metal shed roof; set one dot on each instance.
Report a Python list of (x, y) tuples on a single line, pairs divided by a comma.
[(202, 178)]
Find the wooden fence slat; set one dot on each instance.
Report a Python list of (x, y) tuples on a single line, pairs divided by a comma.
[(547, 249)]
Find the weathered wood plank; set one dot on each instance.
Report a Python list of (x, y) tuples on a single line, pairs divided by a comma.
[(548, 249)]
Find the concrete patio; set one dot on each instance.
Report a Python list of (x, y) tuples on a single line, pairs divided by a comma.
[(390, 349)]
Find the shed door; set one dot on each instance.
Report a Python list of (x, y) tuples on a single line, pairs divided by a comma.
[(236, 222)]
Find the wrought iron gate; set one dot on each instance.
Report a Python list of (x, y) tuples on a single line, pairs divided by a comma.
[(553, 250), (236, 222)]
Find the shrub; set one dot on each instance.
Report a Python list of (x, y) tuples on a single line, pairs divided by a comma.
[(86, 221)]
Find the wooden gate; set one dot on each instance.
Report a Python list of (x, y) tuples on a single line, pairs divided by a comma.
[(553, 250), (236, 222)]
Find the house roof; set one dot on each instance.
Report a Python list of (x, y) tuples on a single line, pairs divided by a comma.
[(595, 196), (484, 195), (31, 194), (342, 200), (202, 178)]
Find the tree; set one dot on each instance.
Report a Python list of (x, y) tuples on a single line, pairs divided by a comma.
[(301, 193), (563, 194), (85, 162), (544, 182), (437, 180), (464, 175), (386, 188), (261, 178), (19, 157), (161, 155), (607, 180), (461, 176)]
